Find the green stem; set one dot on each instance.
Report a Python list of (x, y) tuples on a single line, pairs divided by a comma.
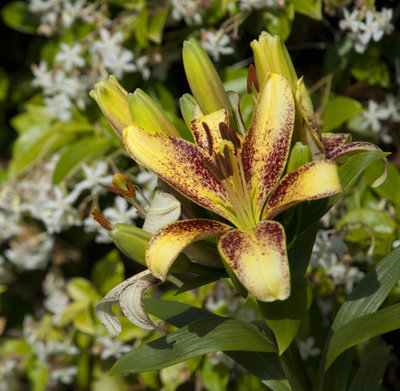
[(293, 366)]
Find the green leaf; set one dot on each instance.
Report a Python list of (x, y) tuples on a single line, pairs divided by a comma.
[(197, 338), (371, 69), (82, 290), (376, 220), (362, 328), (389, 188), (265, 366), (141, 28), (371, 291), (311, 8), (284, 317), (108, 272), (78, 153), (365, 299), (339, 110), (278, 21), (156, 24), (4, 84), (371, 371), (17, 16), (201, 280)]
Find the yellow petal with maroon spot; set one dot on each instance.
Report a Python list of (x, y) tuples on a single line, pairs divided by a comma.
[(180, 164), (170, 240), (258, 258), (314, 180), (267, 142)]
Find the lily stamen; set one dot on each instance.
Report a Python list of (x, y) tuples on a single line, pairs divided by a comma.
[(102, 220)]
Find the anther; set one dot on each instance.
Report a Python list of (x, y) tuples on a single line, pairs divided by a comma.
[(252, 80), (214, 169), (229, 134), (101, 220), (209, 138), (122, 185)]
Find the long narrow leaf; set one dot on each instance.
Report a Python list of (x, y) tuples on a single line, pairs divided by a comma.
[(362, 328), (197, 338), (265, 366), (365, 299), (371, 371), (372, 290)]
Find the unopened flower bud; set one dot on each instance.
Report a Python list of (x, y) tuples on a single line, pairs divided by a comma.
[(271, 55), (146, 113), (112, 100), (204, 82), (299, 156)]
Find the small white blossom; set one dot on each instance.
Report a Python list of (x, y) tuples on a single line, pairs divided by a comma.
[(70, 56), (327, 251), (372, 28), (351, 21), (63, 375), (95, 177), (307, 348), (245, 5), (33, 253), (373, 115), (112, 348), (188, 10), (59, 106), (216, 44), (393, 107), (42, 76), (385, 19), (120, 62), (107, 42)]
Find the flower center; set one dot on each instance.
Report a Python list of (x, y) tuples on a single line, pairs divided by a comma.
[(227, 167)]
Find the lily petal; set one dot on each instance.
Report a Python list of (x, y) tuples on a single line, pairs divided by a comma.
[(311, 135), (170, 240), (266, 145), (129, 294), (335, 140), (258, 258), (164, 209), (180, 164), (347, 149), (314, 180)]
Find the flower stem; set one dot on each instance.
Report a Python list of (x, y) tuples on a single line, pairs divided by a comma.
[(293, 366)]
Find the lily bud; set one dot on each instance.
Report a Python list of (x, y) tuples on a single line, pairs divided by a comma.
[(112, 100), (190, 109), (146, 113), (271, 55), (204, 82), (133, 241), (299, 156)]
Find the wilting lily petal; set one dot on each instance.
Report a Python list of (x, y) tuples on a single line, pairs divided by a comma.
[(267, 142), (180, 164), (258, 258), (337, 149), (170, 240), (335, 140), (314, 180), (129, 295), (164, 209)]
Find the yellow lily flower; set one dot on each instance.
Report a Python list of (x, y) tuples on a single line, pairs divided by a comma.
[(240, 179)]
